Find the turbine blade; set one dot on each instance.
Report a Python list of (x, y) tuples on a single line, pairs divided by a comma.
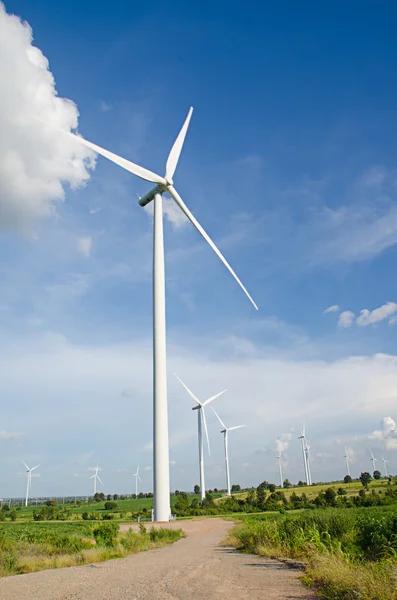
[(188, 391), (35, 467), (206, 429), (118, 160), (218, 417), (92, 476), (99, 479), (172, 191), (237, 427), (139, 479), (23, 462), (214, 397), (176, 149)]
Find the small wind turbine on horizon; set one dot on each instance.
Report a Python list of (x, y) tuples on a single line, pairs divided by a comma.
[(280, 469), (161, 470), (96, 478), (225, 432), (346, 457), (373, 460), (28, 481), (384, 466), (201, 420), (136, 475)]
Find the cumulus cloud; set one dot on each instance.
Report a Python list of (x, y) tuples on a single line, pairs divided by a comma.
[(84, 245), (35, 161), (331, 309), (379, 314), (171, 211), (387, 434), (282, 442), (346, 319), (9, 435)]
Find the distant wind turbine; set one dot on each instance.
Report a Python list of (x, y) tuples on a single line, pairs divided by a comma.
[(163, 184), (201, 422), (136, 475), (346, 457), (280, 470), (302, 438), (225, 432), (96, 478), (28, 481), (373, 460), (384, 466)]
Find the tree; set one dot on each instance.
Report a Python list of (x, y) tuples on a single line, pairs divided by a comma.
[(287, 484), (377, 474), (272, 488), (261, 495), (264, 484), (196, 489), (176, 493), (13, 515), (115, 497), (341, 491), (236, 487), (330, 496), (347, 479), (110, 505), (108, 497), (365, 479)]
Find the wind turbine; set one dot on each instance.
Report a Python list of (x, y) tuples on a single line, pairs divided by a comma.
[(201, 422), (225, 432), (136, 475), (28, 481), (373, 460), (384, 466), (346, 457), (302, 438), (96, 478), (280, 470), (161, 471)]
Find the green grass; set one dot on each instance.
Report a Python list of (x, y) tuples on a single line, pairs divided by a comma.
[(350, 553), (25, 548)]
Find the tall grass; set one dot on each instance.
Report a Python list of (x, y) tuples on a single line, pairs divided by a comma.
[(350, 554), (33, 547)]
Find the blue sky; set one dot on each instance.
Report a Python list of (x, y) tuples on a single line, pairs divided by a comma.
[(289, 164)]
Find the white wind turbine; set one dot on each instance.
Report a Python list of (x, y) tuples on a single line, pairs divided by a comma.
[(225, 432), (280, 469), (373, 460), (161, 472), (201, 420), (347, 459), (384, 466), (136, 475), (302, 438), (96, 478), (28, 481)]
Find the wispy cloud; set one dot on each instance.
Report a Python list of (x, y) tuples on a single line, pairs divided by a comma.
[(84, 245), (331, 309), (9, 435), (104, 106), (379, 314)]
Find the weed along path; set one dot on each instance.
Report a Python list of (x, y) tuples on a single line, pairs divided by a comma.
[(194, 568)]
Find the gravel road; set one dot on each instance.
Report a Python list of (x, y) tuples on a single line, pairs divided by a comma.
[(193, 568)]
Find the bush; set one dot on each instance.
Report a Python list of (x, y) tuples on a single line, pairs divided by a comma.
[(106, 534), (110, 505)]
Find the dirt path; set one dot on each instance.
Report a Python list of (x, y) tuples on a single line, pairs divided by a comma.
[(193, 568)]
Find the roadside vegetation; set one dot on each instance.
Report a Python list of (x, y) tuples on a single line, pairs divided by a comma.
[(348, 554), (25, 548)]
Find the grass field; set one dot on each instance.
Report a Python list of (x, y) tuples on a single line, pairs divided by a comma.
[(29, 547)]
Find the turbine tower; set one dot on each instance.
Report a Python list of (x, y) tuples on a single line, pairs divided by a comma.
[(373, 460), (96, 478), (136, 475), (201, 422), (161, 469), (346, 457), (302, 438), (280, 470), (225, 432), (384, 466), (28, 481)]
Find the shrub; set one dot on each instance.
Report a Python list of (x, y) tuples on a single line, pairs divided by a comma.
[(110, 505), (106, 534)]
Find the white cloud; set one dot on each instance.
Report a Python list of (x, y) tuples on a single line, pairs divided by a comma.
[(9, 435), (171, 211), (282, 442), (104, 106), (368, 317), (35, 160), (147, 468), (94, 469), (331, 309), (172, 463), (346, 319), (393, 320), (387, 434), (84, 245)]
